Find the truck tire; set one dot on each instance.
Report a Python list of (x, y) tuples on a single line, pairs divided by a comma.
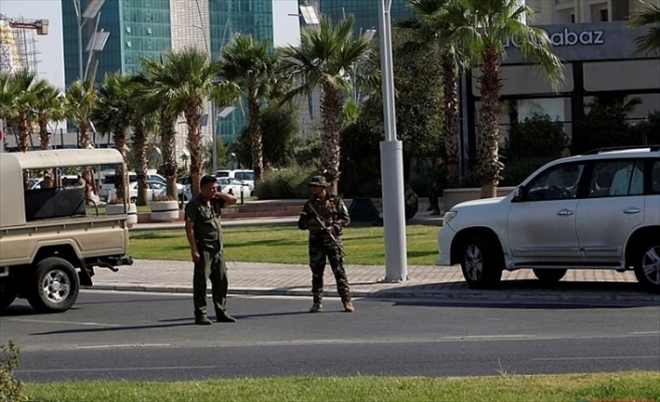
[(55, 286), (481, 263), (7, 297)]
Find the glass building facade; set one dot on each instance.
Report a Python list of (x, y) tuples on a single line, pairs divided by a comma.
[(365, 11), (226, 19), (137, 28)]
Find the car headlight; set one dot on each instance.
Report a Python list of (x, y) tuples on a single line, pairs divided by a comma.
[(449, 215)]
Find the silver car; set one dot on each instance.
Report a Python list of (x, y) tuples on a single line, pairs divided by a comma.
[(600, 210)]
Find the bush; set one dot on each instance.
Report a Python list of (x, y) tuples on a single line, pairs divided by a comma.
[(647, 131), (531, 144), (11, 389), (536, 137), (289, 183)]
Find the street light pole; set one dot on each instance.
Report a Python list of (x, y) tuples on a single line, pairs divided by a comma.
[(391, 150)]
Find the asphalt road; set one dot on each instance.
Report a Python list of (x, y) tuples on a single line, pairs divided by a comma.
[(134, 336)]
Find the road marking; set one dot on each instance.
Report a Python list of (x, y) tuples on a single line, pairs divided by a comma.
[(116, 369), (645, 333), (93, 324), (126, 346), (594, 358)]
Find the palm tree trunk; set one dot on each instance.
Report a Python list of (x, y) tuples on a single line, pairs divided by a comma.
[(331, 151), (23, 133), (451, 99), (44, 139), (120, 145), (194, 147), (256, 138), (84, 144), (140, 152), (167, 145), (488, 146)]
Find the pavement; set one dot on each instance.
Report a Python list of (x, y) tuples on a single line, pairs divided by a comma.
[(440, 284)]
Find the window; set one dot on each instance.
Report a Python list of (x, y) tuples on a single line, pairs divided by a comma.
[(603, 15), (556, 183), (655, 178), (616, 178), (627, 179)]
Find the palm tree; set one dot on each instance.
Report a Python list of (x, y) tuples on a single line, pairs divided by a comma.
[(193, 80), (113, 114), (252, 68), (143, 121), (323, 59), (7, 95), (481, 28), (434, 32), (649, 17), (156, 85), (25, 88), (48, 106), (81, 100)]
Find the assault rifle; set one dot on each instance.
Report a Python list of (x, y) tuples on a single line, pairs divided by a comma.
[(327, 231)]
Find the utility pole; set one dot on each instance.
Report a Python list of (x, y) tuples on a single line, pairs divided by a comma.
[(391, 165)]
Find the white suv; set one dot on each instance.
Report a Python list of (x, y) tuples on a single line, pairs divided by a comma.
[(599, 211)]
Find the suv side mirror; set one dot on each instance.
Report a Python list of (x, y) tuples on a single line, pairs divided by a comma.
[(518, 193)]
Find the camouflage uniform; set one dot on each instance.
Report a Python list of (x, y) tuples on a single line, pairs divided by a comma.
[(333, 212), (211, 265)]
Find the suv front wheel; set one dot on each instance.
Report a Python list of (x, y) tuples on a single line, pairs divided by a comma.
[(481, 263), (647, 265)]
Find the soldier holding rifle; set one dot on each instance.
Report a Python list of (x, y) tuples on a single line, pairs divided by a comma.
[(325, 215)]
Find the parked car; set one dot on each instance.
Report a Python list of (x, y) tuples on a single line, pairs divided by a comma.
[(244, 175), (600, 211), (108, 183), (225, 184)]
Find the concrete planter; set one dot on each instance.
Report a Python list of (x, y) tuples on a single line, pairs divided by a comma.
[(119, 209), (454, 196), (164, 211)]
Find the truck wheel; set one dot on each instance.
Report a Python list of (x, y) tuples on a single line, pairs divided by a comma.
[(7, 297), (647, 266), (55, 287), (548, 275), (481, 264)]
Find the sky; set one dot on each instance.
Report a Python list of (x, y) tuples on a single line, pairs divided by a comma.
[(51, 59)]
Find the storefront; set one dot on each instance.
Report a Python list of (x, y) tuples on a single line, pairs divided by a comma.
[(599, 61)]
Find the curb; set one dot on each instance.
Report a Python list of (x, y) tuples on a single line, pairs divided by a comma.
[(481, 297)]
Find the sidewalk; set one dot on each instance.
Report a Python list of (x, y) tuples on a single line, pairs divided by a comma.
[(441, 284)]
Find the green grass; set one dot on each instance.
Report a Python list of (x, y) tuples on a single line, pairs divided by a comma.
[(624, 386), (364, 245)]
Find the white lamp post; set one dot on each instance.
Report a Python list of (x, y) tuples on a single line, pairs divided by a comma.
[(391, 151)]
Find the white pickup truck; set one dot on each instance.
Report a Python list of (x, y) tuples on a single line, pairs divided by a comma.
[(49, 244)]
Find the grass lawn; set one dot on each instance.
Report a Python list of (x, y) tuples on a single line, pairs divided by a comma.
[(624, 386), (364, 245)]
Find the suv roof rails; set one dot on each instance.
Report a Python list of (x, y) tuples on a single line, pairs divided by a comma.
[(651, 147)]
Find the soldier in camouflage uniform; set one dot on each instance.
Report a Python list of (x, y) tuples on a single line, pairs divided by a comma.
[(325, 215), (204, 235)]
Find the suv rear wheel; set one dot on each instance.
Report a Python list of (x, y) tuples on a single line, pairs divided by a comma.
[(647, 265), (481, 263)]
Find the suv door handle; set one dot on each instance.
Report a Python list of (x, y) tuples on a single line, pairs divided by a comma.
[(564, 212), (632, 211)]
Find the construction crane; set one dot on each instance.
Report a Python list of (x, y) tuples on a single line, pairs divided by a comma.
[(41, 26)]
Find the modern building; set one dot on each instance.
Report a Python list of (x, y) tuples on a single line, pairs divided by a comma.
[(585, 11), (111, 36), (365, 11)]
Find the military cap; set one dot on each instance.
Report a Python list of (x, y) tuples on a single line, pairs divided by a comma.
[(319, 181)]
